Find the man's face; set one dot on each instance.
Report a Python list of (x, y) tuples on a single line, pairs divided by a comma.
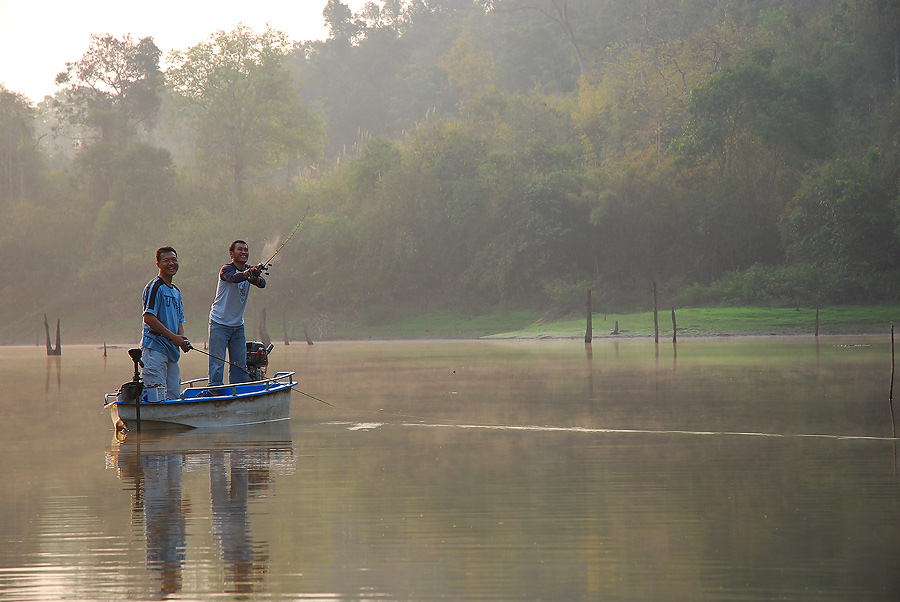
[(241, 253), (168, 263)]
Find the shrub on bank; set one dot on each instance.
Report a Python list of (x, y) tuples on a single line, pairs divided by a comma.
[(796, 285)]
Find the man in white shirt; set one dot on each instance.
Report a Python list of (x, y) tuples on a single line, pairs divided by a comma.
[(226, 316)]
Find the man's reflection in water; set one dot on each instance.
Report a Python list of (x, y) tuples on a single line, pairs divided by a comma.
[(158, 496), (229, 514), (165, 518), (235, 476)]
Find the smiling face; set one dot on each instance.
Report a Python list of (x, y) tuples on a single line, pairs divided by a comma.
[(168, 265), (240, 253)]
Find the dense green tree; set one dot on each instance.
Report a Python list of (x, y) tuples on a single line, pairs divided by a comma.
[(470, 73), (113, 88), (110, 102), (342, 27), (740, 149), (245, 111), (563, 13), (19, 158), (754, 126), (841, 217), (534, 56), (378, 73)]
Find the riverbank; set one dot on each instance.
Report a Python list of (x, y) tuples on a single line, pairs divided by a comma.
[(688, 322), (516, 324)]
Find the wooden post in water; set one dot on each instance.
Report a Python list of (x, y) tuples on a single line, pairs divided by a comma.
[(51, 350), (655, 315), (589, 331), (817, 317), (674, 328), (891, 393)]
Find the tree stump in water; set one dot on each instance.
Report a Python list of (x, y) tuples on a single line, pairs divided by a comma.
[(52, 350), (263, 333)]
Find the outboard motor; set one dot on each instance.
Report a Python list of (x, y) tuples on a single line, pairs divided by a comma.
[(258, 359), (132, 391)]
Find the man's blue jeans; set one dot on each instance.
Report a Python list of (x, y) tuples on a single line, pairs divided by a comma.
[(160, 370), (233, 339)]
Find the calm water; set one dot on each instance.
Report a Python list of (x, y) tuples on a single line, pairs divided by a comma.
[(736, 469)]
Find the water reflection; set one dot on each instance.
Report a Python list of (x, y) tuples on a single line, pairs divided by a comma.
[(230, 498), (53, 361), (520, 471), (240, 463)]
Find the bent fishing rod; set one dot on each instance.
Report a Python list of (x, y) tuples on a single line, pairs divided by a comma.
[(244, 368), (264, 267)]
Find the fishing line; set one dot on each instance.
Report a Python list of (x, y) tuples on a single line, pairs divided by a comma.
[(331, 405), (314, 397), (427, 422), (221, 359), (580, 429)]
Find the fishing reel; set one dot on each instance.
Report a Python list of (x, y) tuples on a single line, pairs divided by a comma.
[(263, 268)]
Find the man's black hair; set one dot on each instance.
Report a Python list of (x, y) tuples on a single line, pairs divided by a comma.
[(162, 250)]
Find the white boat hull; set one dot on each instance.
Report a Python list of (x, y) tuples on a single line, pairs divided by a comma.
[(249, 403)]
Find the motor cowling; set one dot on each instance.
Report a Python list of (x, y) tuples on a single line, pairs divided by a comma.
[(131, 391), (257, 359)]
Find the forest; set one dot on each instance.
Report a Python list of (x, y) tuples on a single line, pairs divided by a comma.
[(468, 155)]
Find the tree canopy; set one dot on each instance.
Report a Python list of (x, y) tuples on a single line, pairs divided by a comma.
[(245, 111), (475, 153)]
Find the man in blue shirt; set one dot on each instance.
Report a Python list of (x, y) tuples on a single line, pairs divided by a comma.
[(163, 327), (226, 316)]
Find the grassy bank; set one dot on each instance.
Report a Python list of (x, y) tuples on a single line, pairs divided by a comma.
[(512, 324), (691, 322)]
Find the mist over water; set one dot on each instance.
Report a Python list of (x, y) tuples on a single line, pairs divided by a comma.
[(739, 469)]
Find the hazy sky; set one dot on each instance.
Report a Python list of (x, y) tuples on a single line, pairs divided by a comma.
[(38, 37)]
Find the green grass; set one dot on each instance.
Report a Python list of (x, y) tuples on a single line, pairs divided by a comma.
[(442, 324), (718, 321), (721, 321), (527, 324)]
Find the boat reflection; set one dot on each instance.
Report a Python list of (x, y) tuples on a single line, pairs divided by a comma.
[(240, 461)]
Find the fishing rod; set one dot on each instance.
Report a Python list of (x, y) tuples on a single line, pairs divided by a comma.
[(222, 359), (264, 267)]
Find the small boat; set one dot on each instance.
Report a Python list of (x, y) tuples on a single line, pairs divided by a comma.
[(135, 406)]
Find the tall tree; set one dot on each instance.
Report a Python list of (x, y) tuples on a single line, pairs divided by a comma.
[(470, 72), (563, 13), (244, 108), (18, 154), (339, 19), (841, 216), (113, 88)]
